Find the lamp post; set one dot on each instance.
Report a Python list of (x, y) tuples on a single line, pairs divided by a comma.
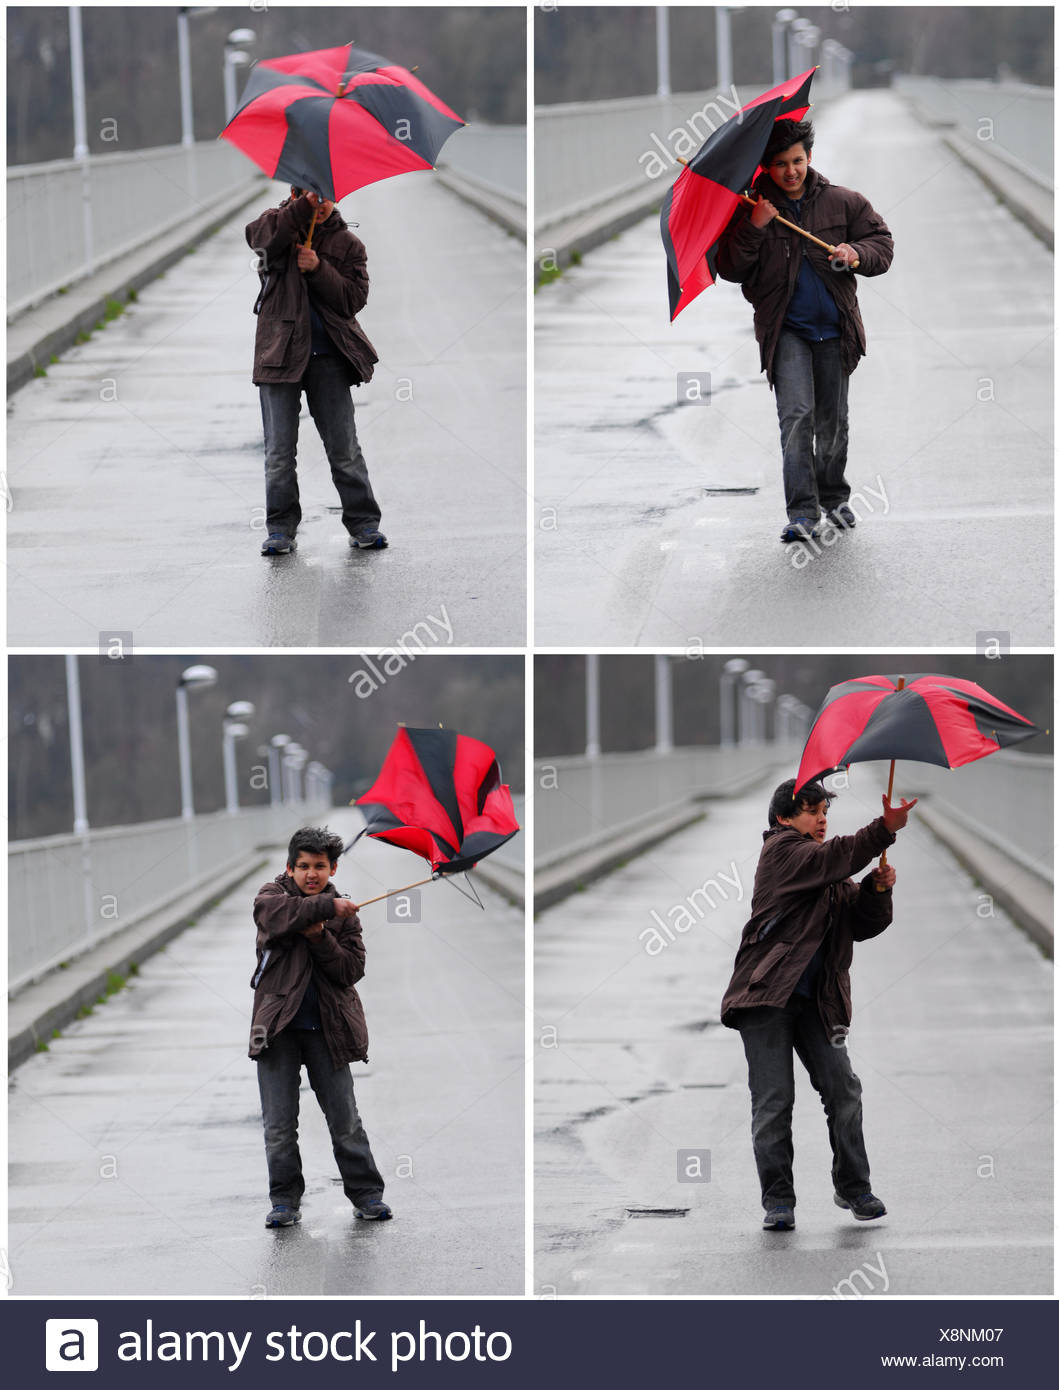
[(663, 705), (723, 31), (794, 40), (747, 724), (779, 44), (233, 728), (234, 57), (275, 768), (294, 759), (662, 49), (764, 693), (729, 679), (194, 678), (591, 705)]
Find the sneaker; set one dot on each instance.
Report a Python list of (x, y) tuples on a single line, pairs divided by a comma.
[(373, 1209), (276, 543), (282, 1215), (802, 528), (865, 1207), (369, 540), (779, 1218), (843, 516)]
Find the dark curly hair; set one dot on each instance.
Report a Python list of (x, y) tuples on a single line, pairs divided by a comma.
[(784, 135), (784, 803), (315, 839)]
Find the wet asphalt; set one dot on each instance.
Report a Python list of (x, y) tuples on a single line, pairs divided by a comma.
[(658, 523), (951, 1039), (137, 1158), (135, 466)]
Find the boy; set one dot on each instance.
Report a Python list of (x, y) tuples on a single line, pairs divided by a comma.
[(789, 991), (806, 318), (310, 954), (308, 339)]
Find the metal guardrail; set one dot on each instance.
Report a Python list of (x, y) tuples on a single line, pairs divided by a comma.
[(493, 156), (1010, 120), (67, 893), (67, 218), (588, 154), (579, 801), (1006, 798)]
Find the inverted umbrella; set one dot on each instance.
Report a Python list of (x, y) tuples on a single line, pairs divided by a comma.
[(700, 204), (338, 118), (439, 794), (930, 719)]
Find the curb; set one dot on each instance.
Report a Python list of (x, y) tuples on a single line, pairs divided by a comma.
[(577, 236), (1020, 194), (87, 300), (1022, 895), (553, 883), (506, 211), (34, 1013), (508, 882)]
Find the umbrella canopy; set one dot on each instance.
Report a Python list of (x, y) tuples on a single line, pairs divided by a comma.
[(700, 204), (439, 794), (932, 719), (337, 119)]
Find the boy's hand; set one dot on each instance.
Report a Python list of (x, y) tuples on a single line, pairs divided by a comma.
[(345, 907), (763, 213), (308, 260), (896, 817), (314, 932), (843, 255), (885, 877)]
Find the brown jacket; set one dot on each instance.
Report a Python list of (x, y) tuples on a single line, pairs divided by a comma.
[(286, 959), (338, 286), (802, 894), (766, 260)]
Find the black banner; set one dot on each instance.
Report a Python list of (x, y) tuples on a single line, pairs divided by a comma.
[(526, 1342)]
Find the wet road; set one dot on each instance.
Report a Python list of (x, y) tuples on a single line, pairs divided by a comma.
[(659, 525), (137, 1161), (135, 467), (951, 1039)]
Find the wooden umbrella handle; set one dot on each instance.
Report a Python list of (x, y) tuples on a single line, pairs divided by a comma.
[(831, 250), (392, 891), (751, 202), (889, 794), (312, 225)]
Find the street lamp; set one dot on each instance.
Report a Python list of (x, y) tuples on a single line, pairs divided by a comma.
[(194, 678), (662, 50), (233, 728), (187, 125), (663, 705), (794, 39), (275, 774), (732, 671), (779, 44), (746, 708), (294, 759), (234, 57), (763, 692)]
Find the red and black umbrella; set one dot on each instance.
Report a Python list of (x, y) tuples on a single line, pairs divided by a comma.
[(338, 118), (929, 719), (700, 204), (439, 794)]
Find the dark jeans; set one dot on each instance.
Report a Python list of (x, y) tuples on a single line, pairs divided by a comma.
[(811, 395), (326, 387), (770, 1039), (278, 1078)]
